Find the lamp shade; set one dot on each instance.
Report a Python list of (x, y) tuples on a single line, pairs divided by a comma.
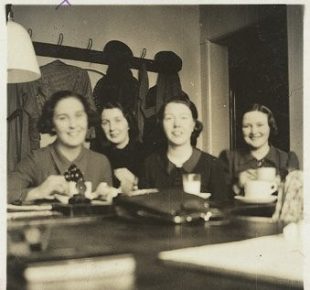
[(22, 62)]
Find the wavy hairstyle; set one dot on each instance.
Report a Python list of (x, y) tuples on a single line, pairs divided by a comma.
[(129, 116), (45, 123), (270, 117), (182, 98)]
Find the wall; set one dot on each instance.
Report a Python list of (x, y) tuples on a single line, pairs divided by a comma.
[(155, 28), (295, 62)]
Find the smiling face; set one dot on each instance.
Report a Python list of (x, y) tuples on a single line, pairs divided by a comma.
[(115, 127), (70, 122), (178, 124), (255, 129)]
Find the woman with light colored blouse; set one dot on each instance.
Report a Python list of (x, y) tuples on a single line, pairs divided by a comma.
[(40, 175)]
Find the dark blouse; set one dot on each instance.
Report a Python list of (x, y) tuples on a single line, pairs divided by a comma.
[(130, 157), (160, 173), (240, 160)]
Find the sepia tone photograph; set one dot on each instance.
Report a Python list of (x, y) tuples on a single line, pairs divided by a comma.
[(154, 146)]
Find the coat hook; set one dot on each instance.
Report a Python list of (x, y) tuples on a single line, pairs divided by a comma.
[(30, 32), (60, 39), (143, 53), (90, 43)]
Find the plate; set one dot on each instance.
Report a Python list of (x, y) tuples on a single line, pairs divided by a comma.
[(262, 200)]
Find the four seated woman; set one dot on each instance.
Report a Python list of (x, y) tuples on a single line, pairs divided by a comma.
[(258, 126), (41, 175), (163, 169), (67, 115)]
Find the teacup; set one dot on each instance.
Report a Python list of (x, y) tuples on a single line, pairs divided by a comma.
[(191, 183), (266, 173), (259, 188)]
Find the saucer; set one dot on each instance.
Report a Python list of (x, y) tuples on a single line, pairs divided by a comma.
[(256, 200), (204, 195)]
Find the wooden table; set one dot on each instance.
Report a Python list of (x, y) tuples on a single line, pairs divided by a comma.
[(145, 241)]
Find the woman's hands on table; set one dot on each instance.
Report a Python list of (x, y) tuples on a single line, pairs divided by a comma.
[(128, 181), (248, 175), (53, 185)]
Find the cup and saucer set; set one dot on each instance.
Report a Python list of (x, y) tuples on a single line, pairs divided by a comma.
[(260, 191)]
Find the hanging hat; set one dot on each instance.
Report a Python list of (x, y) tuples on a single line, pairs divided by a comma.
[(117, 52), (168, 62)]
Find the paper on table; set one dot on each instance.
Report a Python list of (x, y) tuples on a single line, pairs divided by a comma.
[(30, 207), (270, 258)]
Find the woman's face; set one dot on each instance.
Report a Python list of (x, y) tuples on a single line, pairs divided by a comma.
[(178, 124), (70, 122), (255, 129), (115, 127)]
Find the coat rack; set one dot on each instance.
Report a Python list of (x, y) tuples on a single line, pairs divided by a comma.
[(87, 55)]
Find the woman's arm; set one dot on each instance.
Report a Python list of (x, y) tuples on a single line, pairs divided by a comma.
[(25, 184)]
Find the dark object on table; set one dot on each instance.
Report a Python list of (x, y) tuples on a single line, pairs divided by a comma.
[(254, 211), (74, 174), (84, 209), (172, 206)]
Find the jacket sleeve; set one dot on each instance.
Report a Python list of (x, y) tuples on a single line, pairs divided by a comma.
[(22, 179), (292, 163), (226, 159), (218, 186)]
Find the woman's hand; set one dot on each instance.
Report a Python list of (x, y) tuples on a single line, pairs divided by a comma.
[(104, 191), (127, 179), (245, 176), (52, 185)]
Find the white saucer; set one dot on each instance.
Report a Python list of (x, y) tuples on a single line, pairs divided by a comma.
[(204, 195), (262, 200)]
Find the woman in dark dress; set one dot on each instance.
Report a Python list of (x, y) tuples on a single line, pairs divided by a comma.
[(258, 128), (117, 139), (164, 169)]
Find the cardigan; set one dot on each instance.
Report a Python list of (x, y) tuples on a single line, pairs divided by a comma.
[(160, 173), (41, 163)]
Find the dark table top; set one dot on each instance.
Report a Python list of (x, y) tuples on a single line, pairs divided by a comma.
[(145, 240)]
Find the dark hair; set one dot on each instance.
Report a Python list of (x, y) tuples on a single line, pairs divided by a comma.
[(129, 116), (271, 120), (183, 98), (45, 123)]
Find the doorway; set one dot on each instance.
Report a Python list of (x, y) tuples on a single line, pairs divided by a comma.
[(258, 73)]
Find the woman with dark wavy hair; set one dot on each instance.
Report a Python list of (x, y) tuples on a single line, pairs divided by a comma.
[(41, 175), (178, 118), (259, 127), (117, 138)]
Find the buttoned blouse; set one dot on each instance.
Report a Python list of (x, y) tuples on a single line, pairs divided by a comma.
[(236, 161), (161, 173), (41, 163)]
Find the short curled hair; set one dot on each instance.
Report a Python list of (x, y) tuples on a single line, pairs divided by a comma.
[(183, 98), (270, 117), (129, 116), (45, 123)]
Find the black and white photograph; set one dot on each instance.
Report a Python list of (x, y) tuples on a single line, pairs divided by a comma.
[(154, 146)]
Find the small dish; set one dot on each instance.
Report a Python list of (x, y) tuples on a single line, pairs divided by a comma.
[(255, 200), (204, 195)]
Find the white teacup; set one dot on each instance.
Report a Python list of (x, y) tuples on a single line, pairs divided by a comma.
[(259, 188), (191, 183), (266, 173)]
